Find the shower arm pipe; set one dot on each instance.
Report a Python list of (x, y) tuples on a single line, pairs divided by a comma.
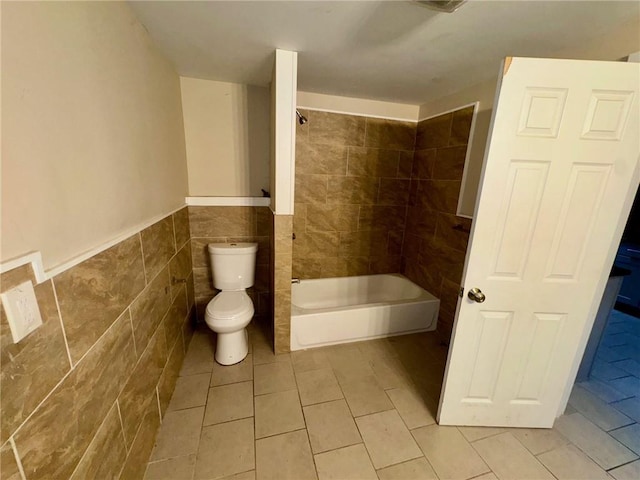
[(301, 118)]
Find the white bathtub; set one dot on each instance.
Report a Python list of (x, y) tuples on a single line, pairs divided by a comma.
[(328, 311)]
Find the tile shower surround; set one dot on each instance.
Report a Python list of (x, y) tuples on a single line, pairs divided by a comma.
[(353, 177), (83, 396), (380, 196), (435, 238)]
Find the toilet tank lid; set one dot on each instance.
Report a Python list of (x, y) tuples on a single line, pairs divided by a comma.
[(236, 248)]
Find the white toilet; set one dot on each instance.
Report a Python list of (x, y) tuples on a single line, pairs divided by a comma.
[(231, 310)]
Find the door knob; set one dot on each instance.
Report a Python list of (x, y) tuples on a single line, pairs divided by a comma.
[(476, 295)]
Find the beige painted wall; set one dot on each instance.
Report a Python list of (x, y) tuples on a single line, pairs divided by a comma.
[(612, 46), (227, 137), (92, 135), (358, 106)]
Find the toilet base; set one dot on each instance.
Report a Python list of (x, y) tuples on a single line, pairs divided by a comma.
[(232, 348)]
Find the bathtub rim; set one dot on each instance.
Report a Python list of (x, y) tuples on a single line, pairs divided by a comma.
[(297, 310), (330, 329)]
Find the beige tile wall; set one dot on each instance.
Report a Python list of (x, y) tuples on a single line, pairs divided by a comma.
[(282, 265), (379, 196), (83, 396), (353, 177), (227, 225), (435, 239)]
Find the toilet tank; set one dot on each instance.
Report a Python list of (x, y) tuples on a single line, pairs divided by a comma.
[(233, 265)]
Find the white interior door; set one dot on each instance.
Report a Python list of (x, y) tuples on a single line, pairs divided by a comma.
[(561, 169)]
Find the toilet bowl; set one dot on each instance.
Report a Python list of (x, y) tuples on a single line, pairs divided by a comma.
[(228, 314), (231, 310)]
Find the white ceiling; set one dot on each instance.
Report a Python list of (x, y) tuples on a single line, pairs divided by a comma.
[(395, 50)]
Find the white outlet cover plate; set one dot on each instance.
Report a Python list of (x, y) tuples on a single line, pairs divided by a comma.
[(22, 310)]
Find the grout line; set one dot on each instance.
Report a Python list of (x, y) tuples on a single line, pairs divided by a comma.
[(144, 475), (150, 462), (82, 358), (104, 420), (364, 139), (133, 335), (482, 458), (171, 457), (306, 429), (175, 242), (158, 403), (185, 347), (55, 387), (276, 434), (92, 252), (64, 333), (365, 445), (490, 435), (485, 473), (346, 173), (148, 345), (221, 423), (172, 276), (204, 411), (253, 401), (73, 369), (538, 460), (618, 466), (376, 413), (133, 440), (633, 422), (188, 240), (16, 456), (144, 267), (196, 407), (124, 439), (137, 297)]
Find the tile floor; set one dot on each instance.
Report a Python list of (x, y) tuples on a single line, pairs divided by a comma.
[(366, 411)]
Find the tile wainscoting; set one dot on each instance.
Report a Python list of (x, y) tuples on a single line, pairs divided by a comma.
[(281, 275), (83, 396), (229, 224)]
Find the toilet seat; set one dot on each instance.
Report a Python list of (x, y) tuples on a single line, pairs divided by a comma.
[(228, 305)]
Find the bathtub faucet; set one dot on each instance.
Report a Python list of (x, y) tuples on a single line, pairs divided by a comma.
[(295, 280)]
